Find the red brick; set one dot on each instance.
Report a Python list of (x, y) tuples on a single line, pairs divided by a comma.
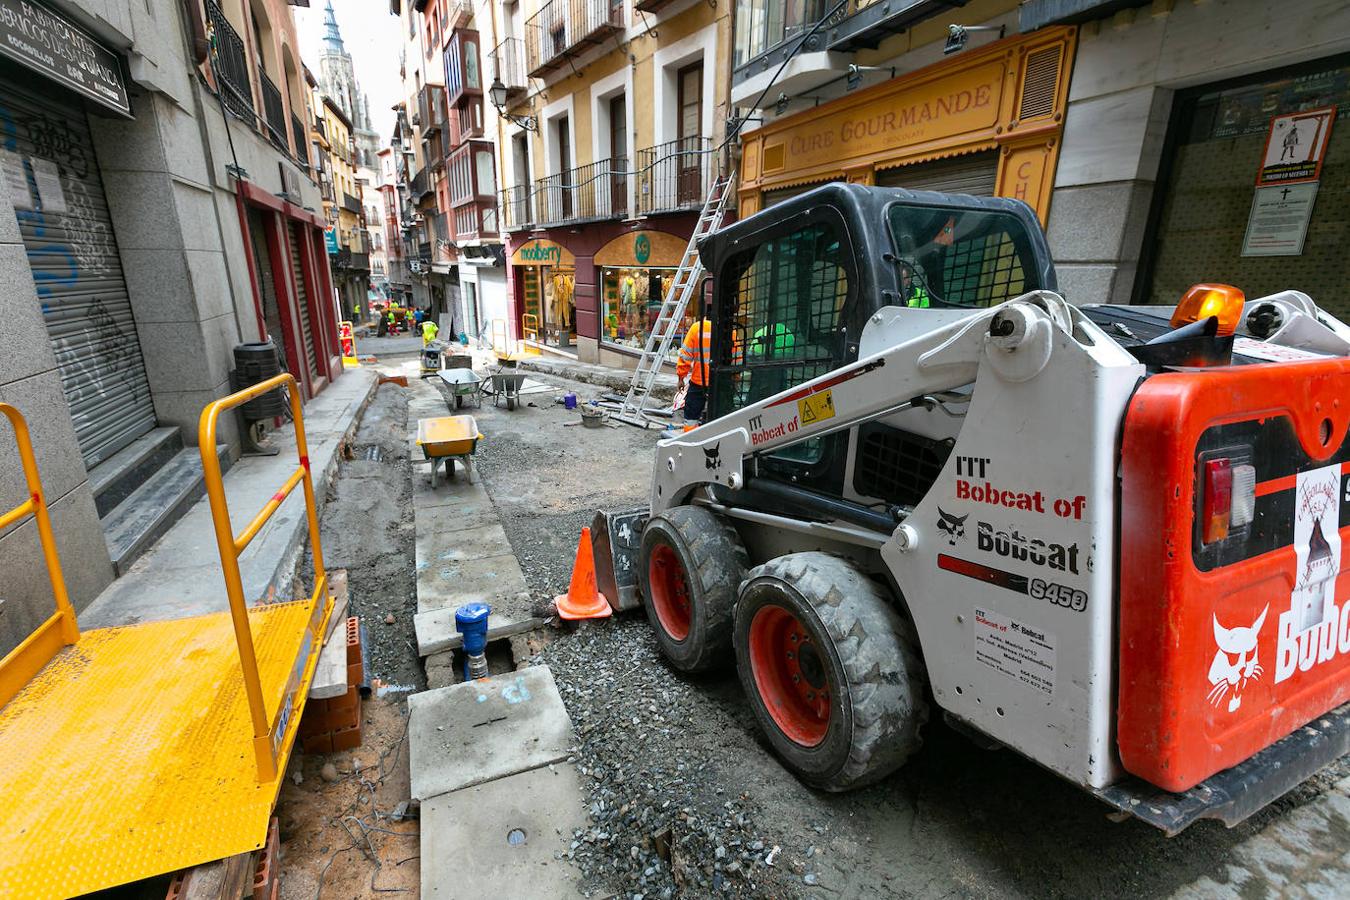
[(353, 641), (347, 738), (318, 743)]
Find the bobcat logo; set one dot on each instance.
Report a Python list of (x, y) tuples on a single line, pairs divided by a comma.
[(1235, 663), (952, 526), (713, 456)]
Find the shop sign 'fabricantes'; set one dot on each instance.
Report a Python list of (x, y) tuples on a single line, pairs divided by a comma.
[(35, 36)]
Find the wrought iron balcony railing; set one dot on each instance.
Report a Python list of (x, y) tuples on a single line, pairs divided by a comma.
[(563, 27), (675, 176), (508, 64), (230, 64), (274, 112)]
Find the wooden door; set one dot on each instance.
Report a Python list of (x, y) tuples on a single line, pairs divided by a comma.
[(689, 162)]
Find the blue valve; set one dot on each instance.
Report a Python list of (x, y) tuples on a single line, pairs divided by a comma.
[(471, 620)]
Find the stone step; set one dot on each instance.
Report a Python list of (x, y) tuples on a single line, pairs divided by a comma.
[(147, 512), (113, 480)]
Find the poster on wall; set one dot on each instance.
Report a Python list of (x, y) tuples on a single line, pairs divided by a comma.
[(1278, 222), (1295, 146)]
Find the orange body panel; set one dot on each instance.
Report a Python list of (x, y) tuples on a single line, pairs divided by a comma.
[(1226, 648)]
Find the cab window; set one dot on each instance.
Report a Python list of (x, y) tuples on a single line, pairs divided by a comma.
[(960, 258)]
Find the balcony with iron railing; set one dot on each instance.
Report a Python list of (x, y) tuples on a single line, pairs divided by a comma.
[(350, 203), (563, 28), (230, 64), (301, 138), (595, 191), (458, 13), (274, 111), (768, 33), (517, 207), (675, 176), (508, 64)]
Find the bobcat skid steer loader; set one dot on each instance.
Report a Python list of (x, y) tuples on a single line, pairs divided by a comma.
[(1107, 537)]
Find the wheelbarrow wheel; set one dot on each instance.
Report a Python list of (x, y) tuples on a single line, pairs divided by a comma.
[(510, 402), (459, 402)]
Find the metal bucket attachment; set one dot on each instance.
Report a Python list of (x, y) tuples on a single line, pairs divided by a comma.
[(616, 540)]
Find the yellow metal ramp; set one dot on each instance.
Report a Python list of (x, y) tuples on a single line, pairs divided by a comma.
[(131, 755), (137, 751)]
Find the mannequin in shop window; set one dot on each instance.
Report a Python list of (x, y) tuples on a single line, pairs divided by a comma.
[(560, 308)]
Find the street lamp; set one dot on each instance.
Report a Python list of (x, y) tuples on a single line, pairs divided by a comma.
[(959, 35), (497, 94)]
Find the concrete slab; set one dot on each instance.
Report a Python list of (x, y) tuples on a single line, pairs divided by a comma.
[(474, 732), (447, 493), (180, 575), (436, 629), (450, 583), (459, 542), (467, 837)]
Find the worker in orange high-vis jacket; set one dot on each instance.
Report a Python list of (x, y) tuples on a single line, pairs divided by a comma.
[(693, 365)]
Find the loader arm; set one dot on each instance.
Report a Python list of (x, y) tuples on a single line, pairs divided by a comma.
[(1017, 336)]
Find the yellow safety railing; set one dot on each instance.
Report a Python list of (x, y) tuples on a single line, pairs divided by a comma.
[(60, 629), (529, 326), (500, 340), (269, 731)]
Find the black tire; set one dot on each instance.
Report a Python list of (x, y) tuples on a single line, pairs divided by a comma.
[(867, 652), (459, 402), (510, 403), (702, 550)]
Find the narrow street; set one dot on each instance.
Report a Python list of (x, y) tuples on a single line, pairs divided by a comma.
[(684, 798)]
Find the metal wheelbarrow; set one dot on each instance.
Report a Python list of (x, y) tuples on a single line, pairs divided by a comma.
[(506, 383), (448, 438), (465, 384)]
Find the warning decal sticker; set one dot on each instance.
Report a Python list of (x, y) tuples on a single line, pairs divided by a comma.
[(816, 407), (1021, 652)]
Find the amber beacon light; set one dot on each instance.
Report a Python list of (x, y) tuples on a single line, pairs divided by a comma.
[(1204, 300)]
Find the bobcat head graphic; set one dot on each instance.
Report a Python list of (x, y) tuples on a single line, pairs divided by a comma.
[(952, 526), (1235, 663), (713, 456)]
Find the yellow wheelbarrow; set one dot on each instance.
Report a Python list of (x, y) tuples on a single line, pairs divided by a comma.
[(448, 438)]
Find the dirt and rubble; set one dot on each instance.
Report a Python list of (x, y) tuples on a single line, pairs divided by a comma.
[(347, 827)]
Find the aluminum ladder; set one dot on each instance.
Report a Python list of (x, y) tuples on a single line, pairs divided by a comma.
[(634, 410)]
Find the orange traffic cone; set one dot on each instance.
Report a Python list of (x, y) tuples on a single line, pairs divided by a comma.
[(583, 599)]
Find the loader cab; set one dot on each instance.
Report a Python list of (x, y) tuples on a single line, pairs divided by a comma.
[(795, 285)]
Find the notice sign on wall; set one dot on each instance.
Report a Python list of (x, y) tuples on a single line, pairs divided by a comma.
[(1278, 222), (1295, 146)]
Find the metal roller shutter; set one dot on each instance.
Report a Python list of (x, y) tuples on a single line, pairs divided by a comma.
[(974, 174), (302, 299), (72, 251)]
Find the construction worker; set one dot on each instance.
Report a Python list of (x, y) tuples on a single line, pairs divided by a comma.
[(429, 331), (393, 323), (692, 366)]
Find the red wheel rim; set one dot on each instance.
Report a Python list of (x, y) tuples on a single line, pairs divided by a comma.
[(790, 675), (670, 592)]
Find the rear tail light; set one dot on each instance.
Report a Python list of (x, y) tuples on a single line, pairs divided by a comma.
[(1229, 498)]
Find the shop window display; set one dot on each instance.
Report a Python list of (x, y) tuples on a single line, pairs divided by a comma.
[(632, 300)]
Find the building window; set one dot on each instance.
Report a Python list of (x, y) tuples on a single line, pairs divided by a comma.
[(764, 24)]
